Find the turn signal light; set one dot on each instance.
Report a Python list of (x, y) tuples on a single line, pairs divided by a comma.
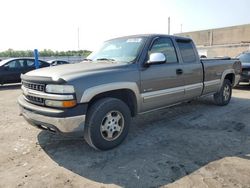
[(60, 104), (68, 104)]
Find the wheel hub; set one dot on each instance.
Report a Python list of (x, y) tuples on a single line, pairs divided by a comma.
[(226, 92), (112, 125)]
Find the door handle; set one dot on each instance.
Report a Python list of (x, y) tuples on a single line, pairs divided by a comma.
[(179, 71)]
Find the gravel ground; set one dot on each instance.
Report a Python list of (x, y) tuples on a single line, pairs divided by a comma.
[(195, 144)]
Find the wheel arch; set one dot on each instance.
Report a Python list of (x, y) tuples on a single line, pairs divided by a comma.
[(126, 91), (230, 75)]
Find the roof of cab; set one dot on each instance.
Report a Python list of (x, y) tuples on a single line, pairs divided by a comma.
[(153, 36)]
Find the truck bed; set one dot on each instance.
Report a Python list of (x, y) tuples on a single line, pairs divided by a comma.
[(214, 71)]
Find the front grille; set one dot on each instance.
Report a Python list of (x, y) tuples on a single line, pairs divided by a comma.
[(34, 86), (35, 100)]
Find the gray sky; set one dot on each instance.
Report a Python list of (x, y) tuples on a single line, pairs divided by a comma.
[(52, 24)]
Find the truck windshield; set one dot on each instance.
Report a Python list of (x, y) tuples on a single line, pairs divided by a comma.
[(123, 50)]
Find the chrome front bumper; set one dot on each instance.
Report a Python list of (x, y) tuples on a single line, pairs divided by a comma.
[(54, 124)]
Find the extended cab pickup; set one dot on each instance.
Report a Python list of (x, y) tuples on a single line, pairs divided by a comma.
[(127, 76)]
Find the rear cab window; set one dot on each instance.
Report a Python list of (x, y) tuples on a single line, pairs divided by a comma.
[(187, 50)]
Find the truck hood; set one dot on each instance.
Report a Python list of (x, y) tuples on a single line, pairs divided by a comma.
[(71, 71)]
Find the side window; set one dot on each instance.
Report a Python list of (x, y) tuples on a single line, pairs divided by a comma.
[(11, 65), (187, 51), (30, 63), (62, 62), (165, 46), (15, 64), (43, 64)]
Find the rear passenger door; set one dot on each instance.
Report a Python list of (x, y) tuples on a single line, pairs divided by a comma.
[(162, 84), (192, 70)]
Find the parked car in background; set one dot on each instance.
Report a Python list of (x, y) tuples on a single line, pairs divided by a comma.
[(245, 63), (11, 69), (57, 62)]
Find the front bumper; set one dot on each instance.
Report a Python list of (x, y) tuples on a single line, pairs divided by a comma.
[(55, 120)]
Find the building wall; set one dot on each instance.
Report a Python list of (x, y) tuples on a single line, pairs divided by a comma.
[(221, 51), (228, 41)]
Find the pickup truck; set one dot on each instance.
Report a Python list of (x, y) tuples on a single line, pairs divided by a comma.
[(127, 76)]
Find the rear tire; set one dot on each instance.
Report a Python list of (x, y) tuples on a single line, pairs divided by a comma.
[(223, 97), (107, 123)]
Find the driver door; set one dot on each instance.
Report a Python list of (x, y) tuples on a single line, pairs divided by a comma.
[(162, 84)]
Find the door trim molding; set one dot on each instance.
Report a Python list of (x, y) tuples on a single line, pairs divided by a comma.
[(154, 94), (212, 82)]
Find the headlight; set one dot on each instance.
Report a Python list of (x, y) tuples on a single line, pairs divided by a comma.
[(60, 89), (60, 104)]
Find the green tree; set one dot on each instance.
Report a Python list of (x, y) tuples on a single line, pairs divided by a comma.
[(43, 53)]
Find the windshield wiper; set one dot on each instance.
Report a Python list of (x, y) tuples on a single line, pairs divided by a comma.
[(105, 59)]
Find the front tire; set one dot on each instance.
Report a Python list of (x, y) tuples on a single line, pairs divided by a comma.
[(107, 123), (223, 97)]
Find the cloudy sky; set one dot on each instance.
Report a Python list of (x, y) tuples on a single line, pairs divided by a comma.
[(53, 24)]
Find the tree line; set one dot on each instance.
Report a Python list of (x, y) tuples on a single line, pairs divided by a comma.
[(43, 53)]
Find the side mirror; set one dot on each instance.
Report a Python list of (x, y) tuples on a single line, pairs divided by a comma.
[(156, 58)]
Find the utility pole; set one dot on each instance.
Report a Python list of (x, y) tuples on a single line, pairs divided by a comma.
[(169, 25), (181, 28), (78, 38)]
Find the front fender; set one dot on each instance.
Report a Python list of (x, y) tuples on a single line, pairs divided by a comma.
[(93, 91)]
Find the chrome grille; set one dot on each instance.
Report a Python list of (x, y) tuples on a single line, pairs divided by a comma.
[(35, 100), (34, 86)]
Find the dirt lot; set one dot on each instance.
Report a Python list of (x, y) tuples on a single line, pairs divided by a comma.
[(190, 145)]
